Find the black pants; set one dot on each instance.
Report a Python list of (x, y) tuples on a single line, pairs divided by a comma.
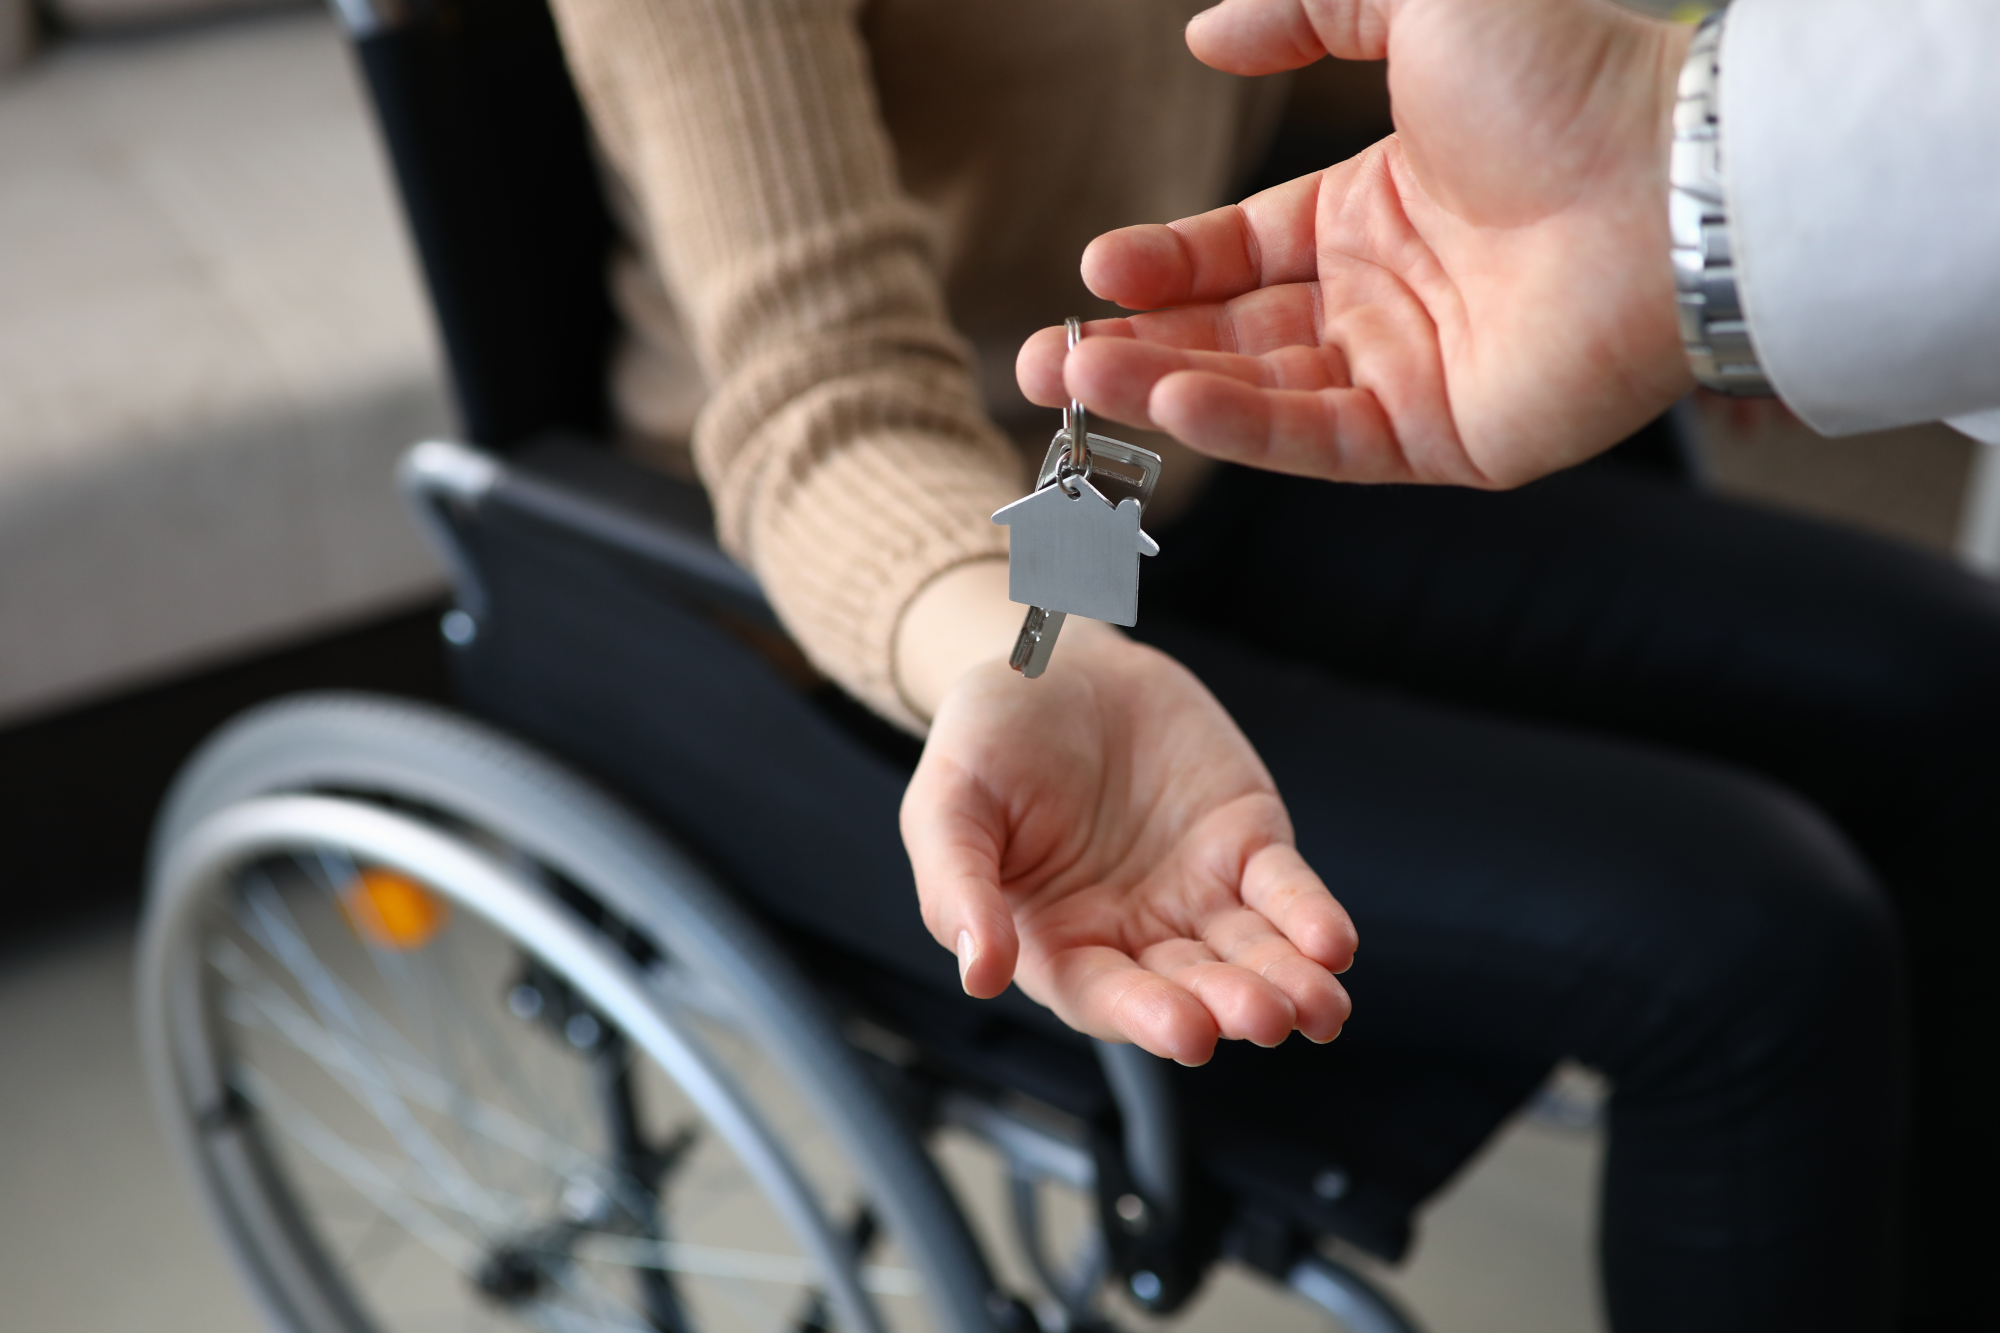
[(1703, 796)]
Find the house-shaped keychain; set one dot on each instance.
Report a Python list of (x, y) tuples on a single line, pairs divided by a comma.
[(1072, 551)]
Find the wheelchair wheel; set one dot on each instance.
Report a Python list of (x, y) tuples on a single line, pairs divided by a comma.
[(450, 1041)]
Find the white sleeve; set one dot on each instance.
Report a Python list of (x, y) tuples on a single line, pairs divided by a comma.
[(1861, 156)]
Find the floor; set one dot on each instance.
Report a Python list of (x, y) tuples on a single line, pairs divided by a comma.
[(99, 1234)]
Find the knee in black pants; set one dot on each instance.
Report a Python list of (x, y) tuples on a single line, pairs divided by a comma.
[(1755, 1131)]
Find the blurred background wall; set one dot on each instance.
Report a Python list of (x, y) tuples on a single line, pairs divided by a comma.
[(212, 348)]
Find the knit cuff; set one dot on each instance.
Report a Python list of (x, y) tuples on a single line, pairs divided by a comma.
[(861, 534)]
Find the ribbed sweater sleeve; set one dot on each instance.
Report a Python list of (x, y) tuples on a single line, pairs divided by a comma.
[(843, 442)]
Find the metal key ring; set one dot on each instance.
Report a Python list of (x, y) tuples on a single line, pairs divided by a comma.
[(1075, 421)]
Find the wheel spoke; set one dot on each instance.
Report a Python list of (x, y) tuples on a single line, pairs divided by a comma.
[(365, 1070), (378, 1183), (281, 1015), (278, 932), (365, 1176), (380, 1240), (410, 986)]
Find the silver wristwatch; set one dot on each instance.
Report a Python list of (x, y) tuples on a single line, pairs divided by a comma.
[(1713, 332)]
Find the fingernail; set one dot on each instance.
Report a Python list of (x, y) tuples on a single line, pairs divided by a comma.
[(965, 955)]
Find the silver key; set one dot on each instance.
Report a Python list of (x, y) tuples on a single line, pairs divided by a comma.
[(1076, 537)]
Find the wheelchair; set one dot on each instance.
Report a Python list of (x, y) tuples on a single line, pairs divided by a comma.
[(544, 1011)]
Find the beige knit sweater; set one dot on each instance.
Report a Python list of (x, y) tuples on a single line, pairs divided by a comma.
[(854, 214)]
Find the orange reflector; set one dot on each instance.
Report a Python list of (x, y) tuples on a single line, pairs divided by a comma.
[(393, 911)]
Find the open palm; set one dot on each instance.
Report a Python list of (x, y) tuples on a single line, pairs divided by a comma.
[(1479, 299), (1107, 838)]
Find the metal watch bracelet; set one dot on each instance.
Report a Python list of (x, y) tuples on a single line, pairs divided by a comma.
[(1713, 331)]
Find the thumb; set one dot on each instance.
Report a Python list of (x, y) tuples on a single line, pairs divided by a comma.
[(1266, 36), (954, 836)]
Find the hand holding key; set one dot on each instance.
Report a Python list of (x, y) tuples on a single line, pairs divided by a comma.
[(1107, 838), (1479, 299)]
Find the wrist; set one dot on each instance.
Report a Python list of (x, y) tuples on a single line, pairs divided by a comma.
[(1665, 357), (962, 620), (955, 623)]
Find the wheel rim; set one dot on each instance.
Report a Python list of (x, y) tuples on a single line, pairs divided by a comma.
[(498, 1178)]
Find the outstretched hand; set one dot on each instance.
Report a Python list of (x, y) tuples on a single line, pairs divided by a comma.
[(1105, 837), (1481, 298)]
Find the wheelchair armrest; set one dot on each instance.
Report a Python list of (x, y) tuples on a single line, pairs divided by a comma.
[(608, 501)]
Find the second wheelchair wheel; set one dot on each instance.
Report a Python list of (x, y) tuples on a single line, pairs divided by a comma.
[(451, 1042)]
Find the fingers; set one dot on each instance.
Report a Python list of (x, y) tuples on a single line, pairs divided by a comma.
[(1266, 36), (1179, 997), (1262, 242), (1281, 888), (1258, 257), (1141, 267), (1252, 941), (1246, 940), (1250, 382), (1117, 377), (1038, 366), (1268, 337), (1104, 992), (1338, 434), (1254, 933), (1246, 1005), (1254, 36), (1263, 323), (953, 833), (1319, 1001)]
